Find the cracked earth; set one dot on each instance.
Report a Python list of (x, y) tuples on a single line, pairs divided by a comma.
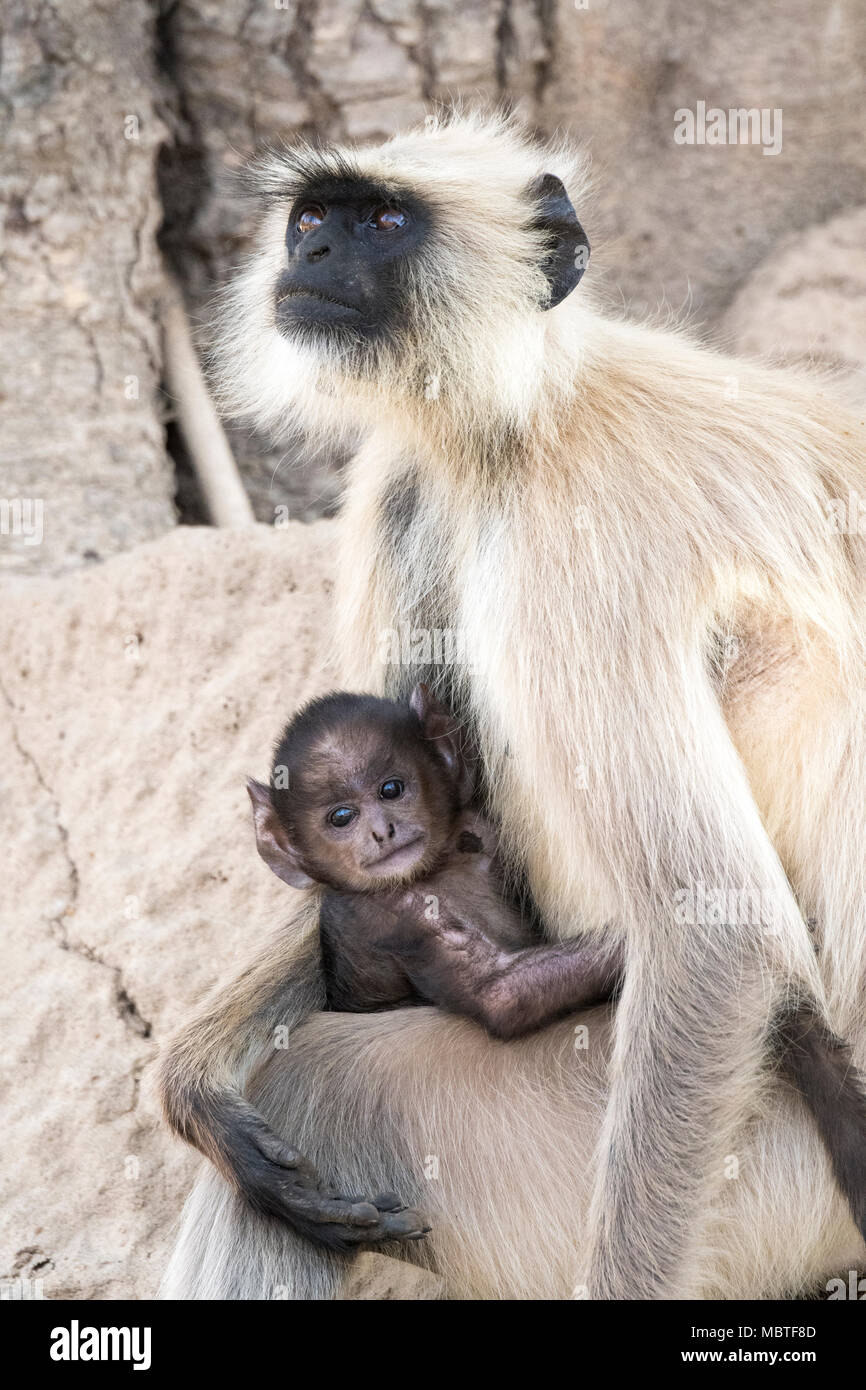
[(131, 880)]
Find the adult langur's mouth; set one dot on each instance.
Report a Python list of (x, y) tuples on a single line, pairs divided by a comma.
[(298, 297)]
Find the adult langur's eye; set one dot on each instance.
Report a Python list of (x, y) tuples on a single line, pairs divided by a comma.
[(343, 816), (388, 219), (391, 790), (309, 219)]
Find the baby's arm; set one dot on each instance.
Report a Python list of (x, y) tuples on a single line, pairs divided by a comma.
[(454, 964)]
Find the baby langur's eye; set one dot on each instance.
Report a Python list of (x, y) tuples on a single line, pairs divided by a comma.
[(310, 218), (391, 790), (388, 219), (343, 816)]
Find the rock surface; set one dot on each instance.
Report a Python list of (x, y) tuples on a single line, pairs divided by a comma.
[(135, 698), (383, 1279), (81, 419), (807, 302)]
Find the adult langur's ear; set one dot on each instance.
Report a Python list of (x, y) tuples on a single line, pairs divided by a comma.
[(568, 256), (441, 726), (272, 839)]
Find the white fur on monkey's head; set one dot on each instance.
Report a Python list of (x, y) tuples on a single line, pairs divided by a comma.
[(472, 345)]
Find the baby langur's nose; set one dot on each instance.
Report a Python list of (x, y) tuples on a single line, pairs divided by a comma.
[(384, 833)]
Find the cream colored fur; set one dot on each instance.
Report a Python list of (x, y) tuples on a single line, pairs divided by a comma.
[(598, 515)]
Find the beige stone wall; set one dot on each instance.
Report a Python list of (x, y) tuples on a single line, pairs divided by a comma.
[(135, 697)]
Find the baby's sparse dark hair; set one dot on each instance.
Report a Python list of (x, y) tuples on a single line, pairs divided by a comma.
[(344, 715)]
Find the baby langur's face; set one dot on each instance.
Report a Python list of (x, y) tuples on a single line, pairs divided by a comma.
[(379, 820), (372, 792)]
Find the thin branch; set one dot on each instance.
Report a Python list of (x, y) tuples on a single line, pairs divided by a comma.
[(224, 494)]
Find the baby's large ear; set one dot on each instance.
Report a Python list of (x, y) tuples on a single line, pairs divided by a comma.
[(440, 725), (273, 840)]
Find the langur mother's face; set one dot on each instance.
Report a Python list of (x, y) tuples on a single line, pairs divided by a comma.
[(349, 248)]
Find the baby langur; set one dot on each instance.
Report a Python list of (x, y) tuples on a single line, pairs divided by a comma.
[(378, 809)]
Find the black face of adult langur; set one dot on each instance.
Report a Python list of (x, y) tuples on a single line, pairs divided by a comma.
[(349, 250), (356, 248), (592, 512)]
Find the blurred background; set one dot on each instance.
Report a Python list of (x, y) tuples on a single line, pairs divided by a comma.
[(149, 658), (123, 127)]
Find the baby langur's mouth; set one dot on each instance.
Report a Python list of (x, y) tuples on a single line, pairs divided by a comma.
[(397, 860)]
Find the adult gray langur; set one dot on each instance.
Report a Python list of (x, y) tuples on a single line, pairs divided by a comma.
[(663, 612)]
